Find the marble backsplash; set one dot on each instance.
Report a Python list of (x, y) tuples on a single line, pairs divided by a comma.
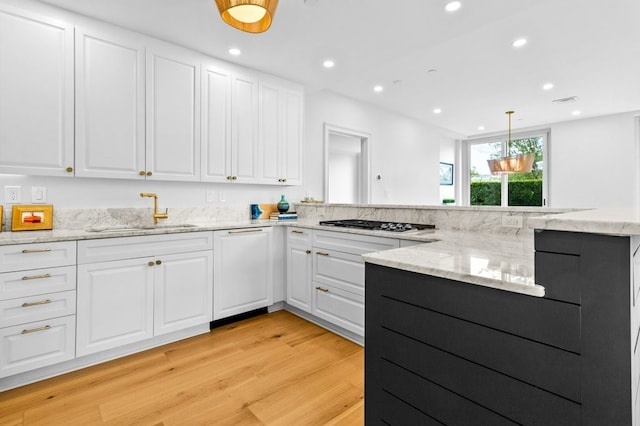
[(453, 218)]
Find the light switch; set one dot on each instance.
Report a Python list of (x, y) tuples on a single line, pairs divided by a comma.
[(38, 194)]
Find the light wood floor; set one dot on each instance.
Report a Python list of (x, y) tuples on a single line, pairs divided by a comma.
[(275, 369)]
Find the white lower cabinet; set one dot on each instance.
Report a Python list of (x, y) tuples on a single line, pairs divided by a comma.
[(299, 266), (37, 305), (243, 271), (166, 288), (325, 274)]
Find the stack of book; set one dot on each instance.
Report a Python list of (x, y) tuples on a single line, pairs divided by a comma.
[(283, 216)]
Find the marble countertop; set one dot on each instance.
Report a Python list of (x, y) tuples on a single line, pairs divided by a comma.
[(504, 262), (611, 221)]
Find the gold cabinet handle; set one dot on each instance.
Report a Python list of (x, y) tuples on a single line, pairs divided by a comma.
[(142, 173), (42, 302), (33, 330), (149, 173), (244, 231), (324, 290), (297, 232), (228, 177), (308, 251), (69, 169), (320, 253), (150, 263), (36, 277), (42, 250), (158, 262), (234, 177)]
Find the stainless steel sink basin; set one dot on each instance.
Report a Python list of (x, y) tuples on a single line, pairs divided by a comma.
[(124, 228)]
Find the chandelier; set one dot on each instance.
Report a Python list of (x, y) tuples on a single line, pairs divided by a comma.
[(252, 16)]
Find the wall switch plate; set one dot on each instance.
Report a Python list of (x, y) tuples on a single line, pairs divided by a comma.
[(512, 221), (12, 194), (222, 197), (38, 194)]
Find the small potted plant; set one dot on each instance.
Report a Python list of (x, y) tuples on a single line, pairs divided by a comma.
[(448, 201)]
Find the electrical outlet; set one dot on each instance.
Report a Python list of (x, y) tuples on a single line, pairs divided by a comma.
[(512, 221), (212, 196), (222, 197), (12, 194)]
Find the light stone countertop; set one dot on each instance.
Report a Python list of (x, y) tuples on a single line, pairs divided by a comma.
[(610, 221), (504, 262)]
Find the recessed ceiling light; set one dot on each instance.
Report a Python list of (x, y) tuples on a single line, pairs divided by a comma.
[(329, 63), (378, 89), (452, 6), (437, 110), (576, 113), (547, 86), (480, 127), (519, 42), (235, 52)]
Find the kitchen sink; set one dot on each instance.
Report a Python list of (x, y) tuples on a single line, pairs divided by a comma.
[(124, 228)]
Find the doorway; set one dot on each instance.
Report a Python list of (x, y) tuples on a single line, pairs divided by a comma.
[(346, 165)]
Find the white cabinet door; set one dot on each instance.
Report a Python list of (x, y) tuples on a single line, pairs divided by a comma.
[(244, 133), (110, 104), (216, 124), (173, 114), (36, 94), (115, 304), (291, 138), (299, 268), (183, 291), (242, 271), (280, 135)]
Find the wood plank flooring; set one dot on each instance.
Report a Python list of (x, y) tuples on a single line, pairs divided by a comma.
[(275, 369)]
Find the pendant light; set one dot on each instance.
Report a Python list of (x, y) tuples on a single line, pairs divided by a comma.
[(521, 163), (252, 16)]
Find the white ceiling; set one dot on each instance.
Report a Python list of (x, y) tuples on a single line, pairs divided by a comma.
[(587, 48)]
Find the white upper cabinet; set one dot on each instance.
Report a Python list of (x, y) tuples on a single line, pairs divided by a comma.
[(244, 133), (36, 94), (216, 124), (110, 104), (280, 135), (173, 113)]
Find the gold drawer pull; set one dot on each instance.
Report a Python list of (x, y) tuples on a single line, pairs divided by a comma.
[(308, 251), (36, 277), (36, 250), (320, 253), (297, 232), (244, 231), (324, 290), (42, 302), (33, 330)]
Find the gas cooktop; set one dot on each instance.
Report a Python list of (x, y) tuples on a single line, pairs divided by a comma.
[(375, 225)]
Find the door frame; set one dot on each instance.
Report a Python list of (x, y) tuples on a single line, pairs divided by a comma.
[(364, 190)]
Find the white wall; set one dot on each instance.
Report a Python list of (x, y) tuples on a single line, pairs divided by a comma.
[(404, 152), (593, 162)]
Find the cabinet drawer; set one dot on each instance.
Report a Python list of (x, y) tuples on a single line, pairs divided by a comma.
[(37, 308), (37, 281), (37, 344), (107, 249), (343, 270), (35, 256), (299, 236), (352, 243), (339, 307)]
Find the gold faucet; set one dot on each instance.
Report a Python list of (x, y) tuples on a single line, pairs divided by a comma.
[(156, 215)]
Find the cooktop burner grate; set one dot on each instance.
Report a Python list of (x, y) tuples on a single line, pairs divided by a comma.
[(376, 225)]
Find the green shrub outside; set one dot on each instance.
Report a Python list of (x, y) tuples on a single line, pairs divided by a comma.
[(521, 193)]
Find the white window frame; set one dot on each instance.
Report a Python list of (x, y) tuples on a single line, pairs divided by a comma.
[(465, 169)]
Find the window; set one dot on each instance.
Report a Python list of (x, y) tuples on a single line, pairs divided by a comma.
[(518, 189)]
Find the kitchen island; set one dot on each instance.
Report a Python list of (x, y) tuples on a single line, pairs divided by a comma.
[(442, 351)]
